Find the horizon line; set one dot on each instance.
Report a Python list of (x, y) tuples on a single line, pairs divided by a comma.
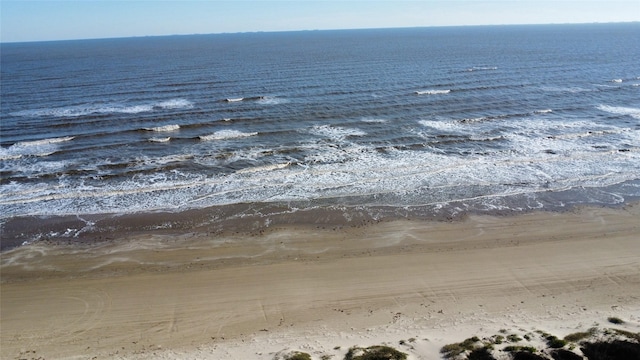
[(316, 30)]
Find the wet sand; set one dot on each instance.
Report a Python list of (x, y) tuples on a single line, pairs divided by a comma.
[(159, 295)]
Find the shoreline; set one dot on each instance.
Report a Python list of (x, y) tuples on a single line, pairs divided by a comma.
[(250, 219), (197, 295)]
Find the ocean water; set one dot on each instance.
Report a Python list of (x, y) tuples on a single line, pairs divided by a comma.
[(393, 122)]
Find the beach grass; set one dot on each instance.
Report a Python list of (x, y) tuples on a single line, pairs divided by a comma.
[(298, 356), (594, 343), (376, 352)]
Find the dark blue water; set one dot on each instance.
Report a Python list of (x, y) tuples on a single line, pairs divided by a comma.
[(465, 118)]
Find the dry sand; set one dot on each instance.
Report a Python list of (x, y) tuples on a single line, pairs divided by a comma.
[(322, 290)]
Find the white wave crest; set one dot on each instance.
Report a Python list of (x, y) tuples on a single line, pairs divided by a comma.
[(6, 155), (163, 160), (77, 111), (234, 99), (621, 110), (432, 92), (175, 104), (165, 128), (482, 68), (125, 109), (40, 148), (465, 121), (44, 141), (443, 125), (328, 171), (616, 80), (263, 168), (227, 134), (336, 132), (114, 108), (268, 100), (160, 139), (545, 111)]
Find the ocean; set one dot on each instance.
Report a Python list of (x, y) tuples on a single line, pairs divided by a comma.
[(247, 131)]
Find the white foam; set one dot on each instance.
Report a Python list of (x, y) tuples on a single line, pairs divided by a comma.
[(621, 110), (163, 160), (164, 128), (175, 104), (44, 141), (472, 120), (616, 80), (344, 169), (432, 92), (443, 125), (269, 100), (213, 157), (136, 109), (263, 168), (545, 111), (5, 155), (37, 168), (335, 132), (536, 154), (41, 148), (482, 68), (160, 139), (114, 108), (234, 99), (328, 153), (589, 133), (572, 89), (227, 134)]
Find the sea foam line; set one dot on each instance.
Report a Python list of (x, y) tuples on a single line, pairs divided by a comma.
[(160, 139), (621, 110), (175, 104), (226, 134), (432, 92), (114, 108), (482, 68), (40, 148), (164, 128), (335, 132), (263, 168), (44, 141), (365, 174)]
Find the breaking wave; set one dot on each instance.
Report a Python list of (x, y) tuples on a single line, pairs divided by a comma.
[(104, 109), (621, 110), (40, 148), (164, 128), (432, 92), (227, 134), (160, 140), (44, 141)]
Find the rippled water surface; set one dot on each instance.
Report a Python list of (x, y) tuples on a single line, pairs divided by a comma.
[(486, 118)]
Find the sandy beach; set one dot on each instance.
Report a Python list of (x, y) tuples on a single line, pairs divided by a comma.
[(321, 291)]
